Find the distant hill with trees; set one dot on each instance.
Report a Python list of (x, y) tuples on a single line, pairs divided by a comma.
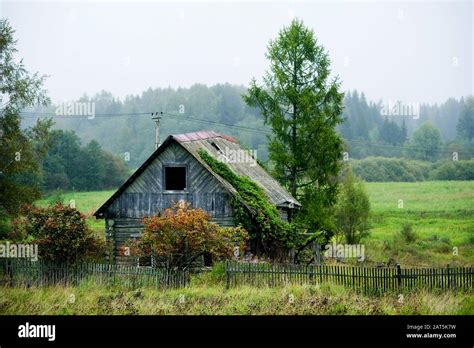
[(126, 128)]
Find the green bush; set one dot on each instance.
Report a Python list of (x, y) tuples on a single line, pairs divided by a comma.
[(352, 210), (5, 227), (56, 196), (61, 233), (407, 233), (382, 169), (216, 276), (442, 246), (390, 169), (454, 170), (469, 240), (182, 234)]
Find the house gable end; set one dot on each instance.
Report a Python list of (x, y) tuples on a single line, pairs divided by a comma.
[(145, 195)]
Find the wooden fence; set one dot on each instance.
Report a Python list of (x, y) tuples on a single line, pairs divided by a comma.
[(20, 272), (368, 280)]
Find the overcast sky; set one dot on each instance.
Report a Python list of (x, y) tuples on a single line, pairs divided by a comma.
[(414, 52)]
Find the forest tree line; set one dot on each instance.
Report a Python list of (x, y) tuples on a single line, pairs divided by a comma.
[(70, 166), (125, 127)]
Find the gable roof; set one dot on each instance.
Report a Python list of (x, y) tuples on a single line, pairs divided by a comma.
[(217, 145)]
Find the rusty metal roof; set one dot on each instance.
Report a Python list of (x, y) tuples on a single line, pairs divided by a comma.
[(239, 159), (201, 135)]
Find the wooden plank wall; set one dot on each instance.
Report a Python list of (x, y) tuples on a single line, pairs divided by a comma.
[(146, 197)]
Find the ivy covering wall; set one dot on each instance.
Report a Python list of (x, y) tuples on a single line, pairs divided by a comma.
[(253, 210)]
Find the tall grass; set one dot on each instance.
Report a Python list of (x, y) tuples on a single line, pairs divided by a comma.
[(441, 215), (216, 300)]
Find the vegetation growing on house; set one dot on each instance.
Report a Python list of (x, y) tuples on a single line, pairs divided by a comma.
[(254, 212)]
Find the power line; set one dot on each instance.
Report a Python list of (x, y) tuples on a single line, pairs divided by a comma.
[(172, 115), (182, 116), (258, 130), (406, 147), (28, 114)]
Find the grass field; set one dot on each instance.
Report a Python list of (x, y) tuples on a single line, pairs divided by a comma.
[(441, 213), (203, 298), (442, 217)]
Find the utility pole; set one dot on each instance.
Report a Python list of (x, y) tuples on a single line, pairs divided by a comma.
[(157, 117)]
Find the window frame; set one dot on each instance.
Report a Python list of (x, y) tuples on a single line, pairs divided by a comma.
[(186, 179)]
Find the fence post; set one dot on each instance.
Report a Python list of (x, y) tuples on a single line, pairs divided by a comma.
[(9, 271), (449, 280), (399, 276), (227, 280)]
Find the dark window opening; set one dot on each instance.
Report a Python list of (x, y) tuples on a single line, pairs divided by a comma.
[(216, 147), (207, 259), (175, 178)]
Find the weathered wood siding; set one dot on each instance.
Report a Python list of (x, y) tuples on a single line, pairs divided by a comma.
[(119, 231), (146, 196), (283, 214)]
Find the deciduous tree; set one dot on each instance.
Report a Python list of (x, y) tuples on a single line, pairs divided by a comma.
[(426, 143), (352, 210), (20, 150)]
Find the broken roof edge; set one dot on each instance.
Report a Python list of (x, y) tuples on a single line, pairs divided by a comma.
[(289, 204)]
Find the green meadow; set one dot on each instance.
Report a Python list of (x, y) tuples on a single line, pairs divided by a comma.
[(86, 202), (441, 214)]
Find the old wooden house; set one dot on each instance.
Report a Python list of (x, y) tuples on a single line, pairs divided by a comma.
[(174, 172)]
